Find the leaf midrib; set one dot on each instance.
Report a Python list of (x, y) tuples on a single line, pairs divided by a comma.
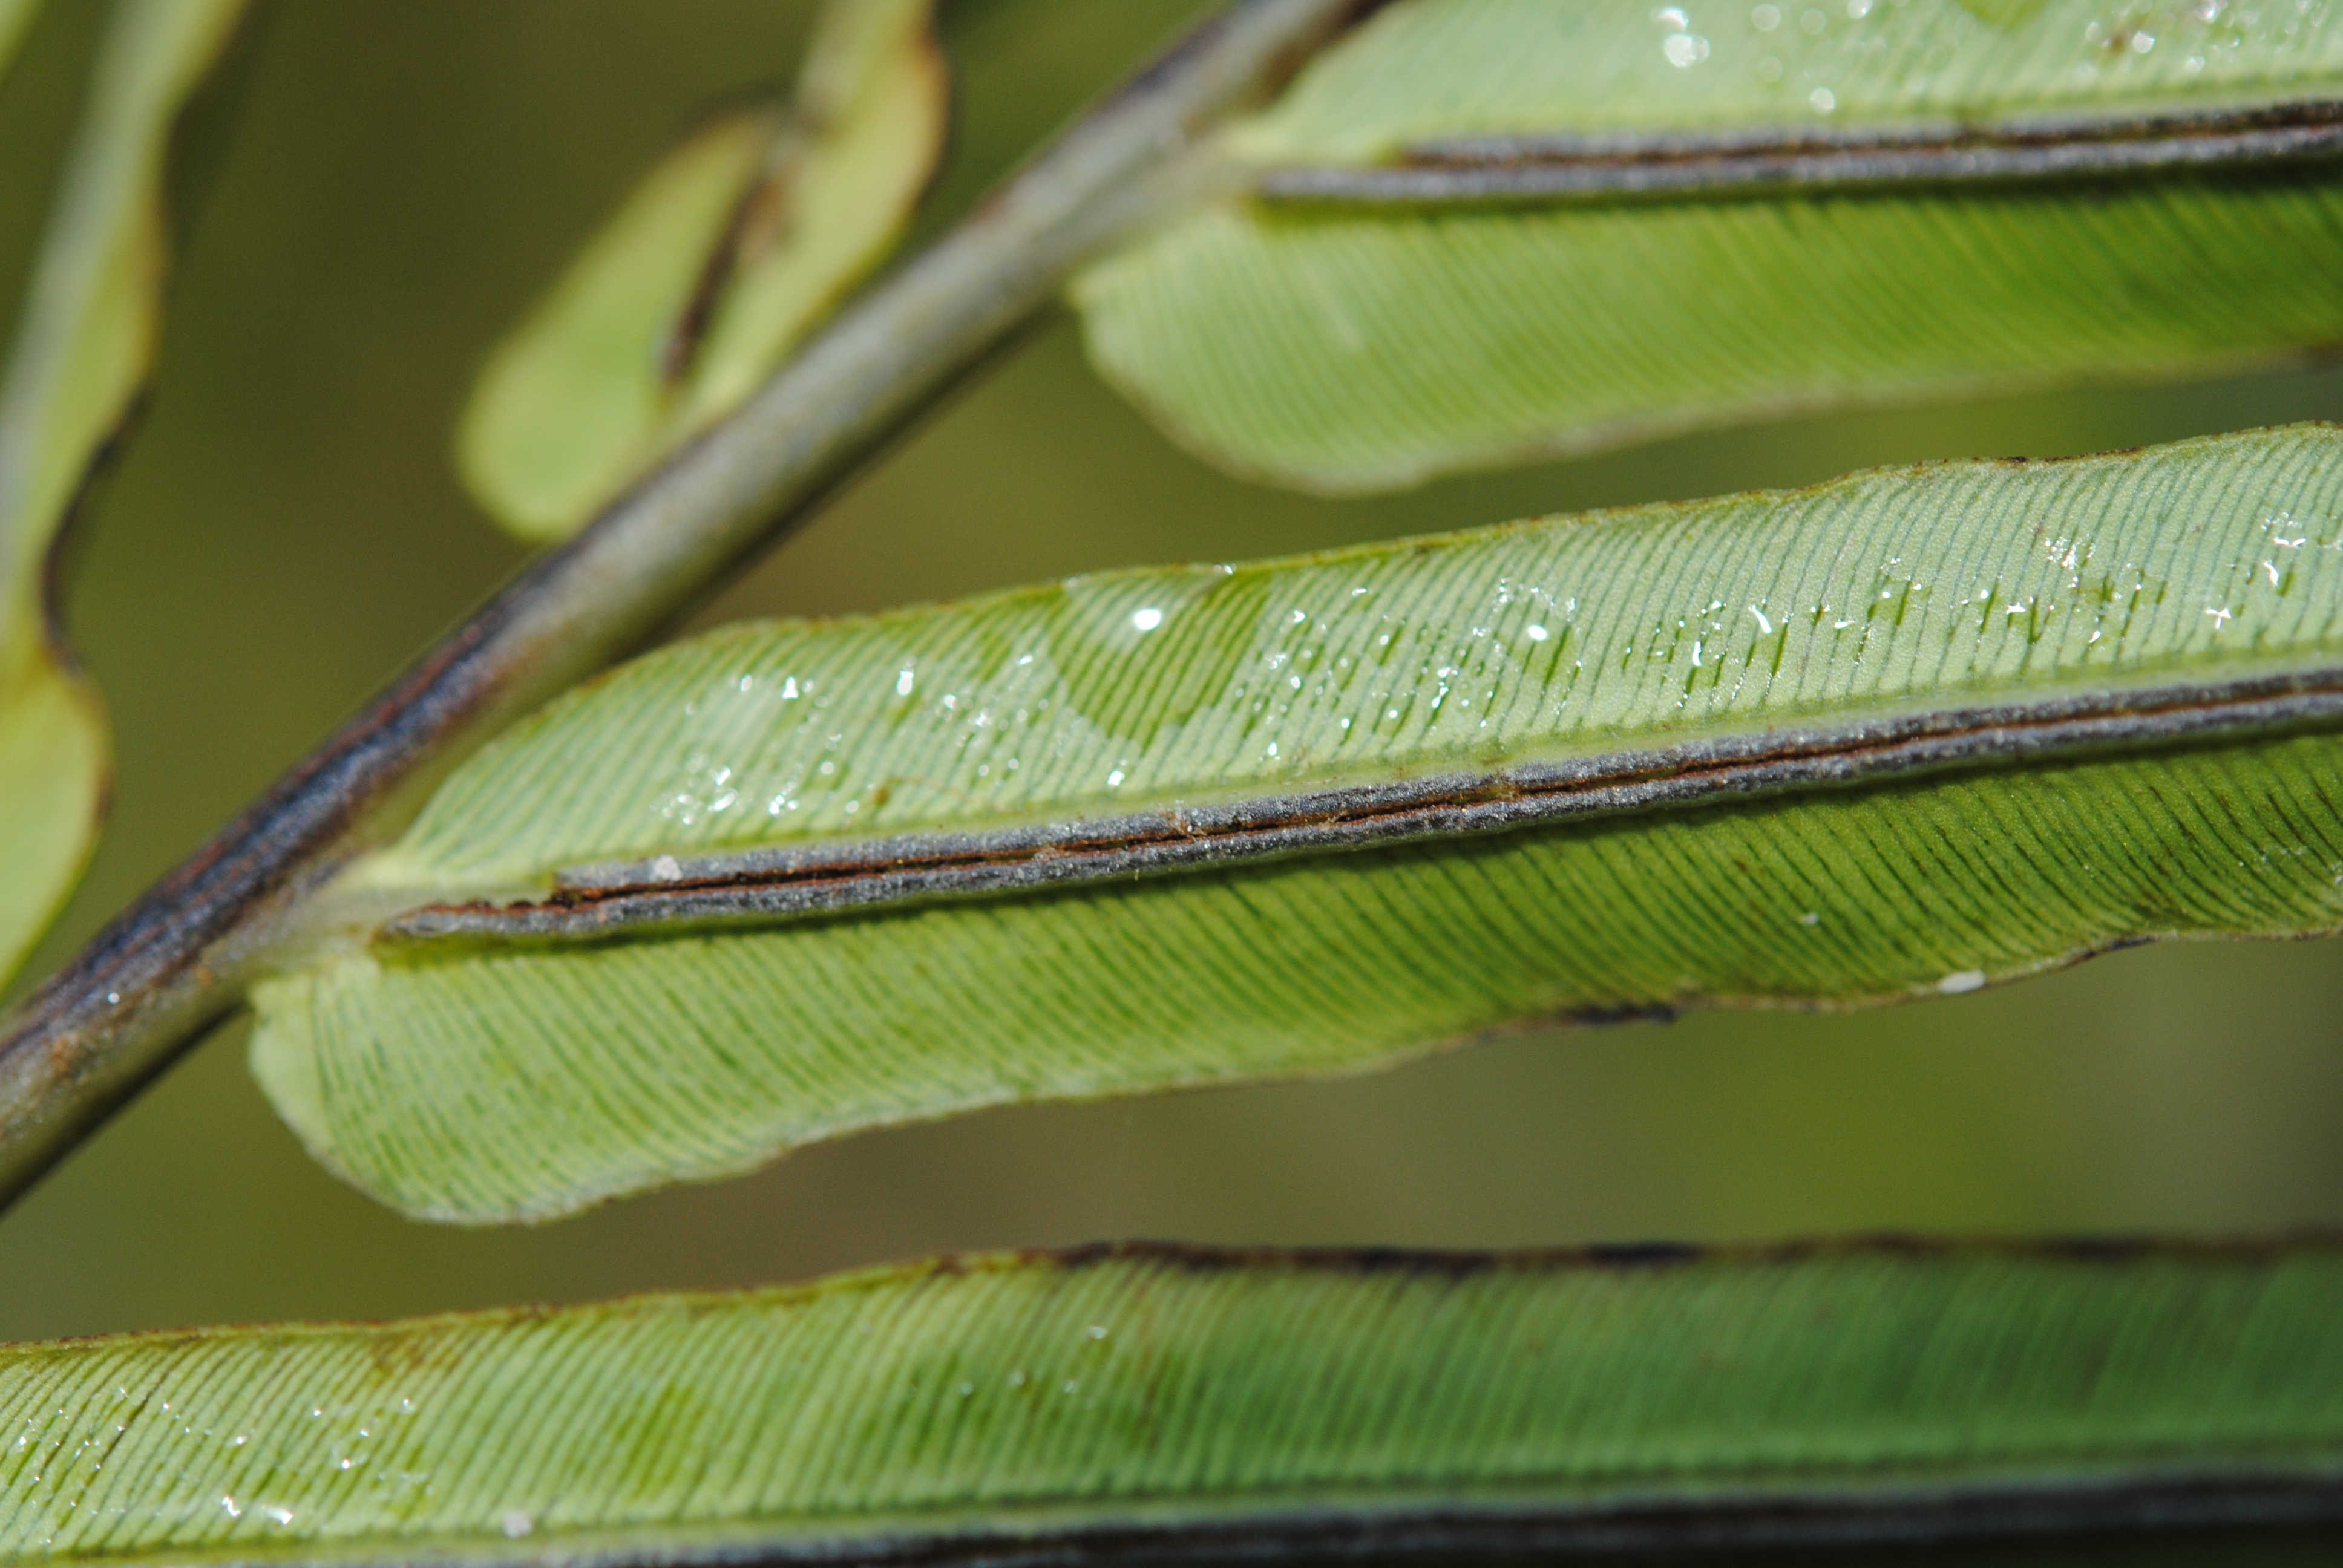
[(1612, 165), (666, 894)]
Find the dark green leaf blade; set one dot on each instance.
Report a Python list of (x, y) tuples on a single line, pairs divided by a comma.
[(1145, 1401), (1902, 734), (1598, 223)]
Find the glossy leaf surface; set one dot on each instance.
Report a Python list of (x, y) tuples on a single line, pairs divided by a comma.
[(88, 345), (1491, 230), (719, 262), (1125, 1403), (1905, 732)]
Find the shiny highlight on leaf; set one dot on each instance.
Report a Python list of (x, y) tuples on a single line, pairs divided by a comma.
[(1196, 825)]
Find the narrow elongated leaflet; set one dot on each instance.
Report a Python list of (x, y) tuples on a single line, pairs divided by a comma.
[(1148, 1402), (86, 347), (722, 260), (1480, 230), (1909, 731)]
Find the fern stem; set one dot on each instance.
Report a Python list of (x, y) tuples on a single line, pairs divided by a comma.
[(177, 960)]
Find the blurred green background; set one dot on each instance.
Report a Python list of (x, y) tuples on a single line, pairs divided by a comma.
[(285, 531)]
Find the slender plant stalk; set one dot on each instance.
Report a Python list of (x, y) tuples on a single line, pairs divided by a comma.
[(178, 959)]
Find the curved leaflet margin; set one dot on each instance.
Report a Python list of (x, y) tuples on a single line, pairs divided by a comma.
[(2191, 596), (719, 262), (1343, 345), (88, 343)]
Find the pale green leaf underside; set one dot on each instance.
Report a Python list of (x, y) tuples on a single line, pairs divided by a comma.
[(1353, 351), (1022, 1401), (1888, 591), (1346, 348), (484, 1084), (86, 346), (717, 264)]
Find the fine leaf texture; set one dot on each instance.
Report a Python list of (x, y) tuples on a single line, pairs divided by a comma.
[(1140, 1401), (480, 1079), (717, 264), (1343, 345), (86, 347)]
